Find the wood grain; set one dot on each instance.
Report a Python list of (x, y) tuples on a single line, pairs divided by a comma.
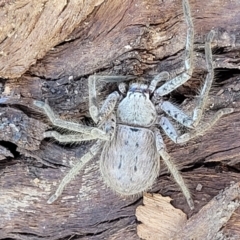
[(47, 51)]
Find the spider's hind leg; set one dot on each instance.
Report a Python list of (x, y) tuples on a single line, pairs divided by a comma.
[(75, 170), (172, 168)]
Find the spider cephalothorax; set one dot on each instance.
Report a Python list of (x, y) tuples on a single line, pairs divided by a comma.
[(128, 134), (136, 107)]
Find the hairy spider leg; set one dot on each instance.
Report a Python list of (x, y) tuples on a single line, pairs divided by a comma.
[(179, 80), (95, 132), (68, 138), (162, 76), (178, 114), (172, 168), (110, 103), (192, 122), (199, 130), (75, 170)]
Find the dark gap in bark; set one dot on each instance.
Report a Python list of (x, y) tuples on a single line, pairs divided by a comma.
[(11, 147), (224, 74)]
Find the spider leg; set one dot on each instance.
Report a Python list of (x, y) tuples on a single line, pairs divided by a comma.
[(75, 170), (109, 127), (199, 130), (169, 86), (62, 138), (179, 115), (162, 76), (96, 114), (108, 107), (172, 168), (202, 128), (202, 98), (97, 133), (169, 129)]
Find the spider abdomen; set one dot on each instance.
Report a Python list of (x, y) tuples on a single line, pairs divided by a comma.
[(130, 162)]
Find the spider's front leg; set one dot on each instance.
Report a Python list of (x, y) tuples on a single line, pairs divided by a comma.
[(174, 83), (172, 168), (100, 115)]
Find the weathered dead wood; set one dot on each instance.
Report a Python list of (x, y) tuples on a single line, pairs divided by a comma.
[(207, 223), (52, 52), (160, 220), (30, 29)]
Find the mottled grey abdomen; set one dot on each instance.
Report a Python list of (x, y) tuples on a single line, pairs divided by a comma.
[(130, 163)]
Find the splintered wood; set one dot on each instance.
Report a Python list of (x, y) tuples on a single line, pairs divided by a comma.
[(24, 39), (160, 220)]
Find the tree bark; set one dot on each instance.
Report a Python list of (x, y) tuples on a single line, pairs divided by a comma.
[(47, 51)]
